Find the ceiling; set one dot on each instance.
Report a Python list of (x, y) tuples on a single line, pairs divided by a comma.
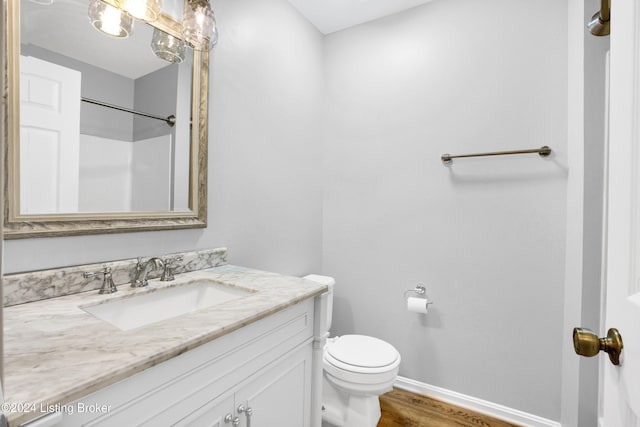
[(64, 27), (335, 15)]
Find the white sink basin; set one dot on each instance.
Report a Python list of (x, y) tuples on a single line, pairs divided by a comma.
[(161, 304)]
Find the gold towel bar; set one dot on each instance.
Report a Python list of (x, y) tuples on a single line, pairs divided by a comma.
[(542, 151)]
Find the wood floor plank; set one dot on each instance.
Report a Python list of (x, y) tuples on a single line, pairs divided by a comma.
[(401, 408)]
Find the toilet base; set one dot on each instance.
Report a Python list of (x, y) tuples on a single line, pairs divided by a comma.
[(342, 409)]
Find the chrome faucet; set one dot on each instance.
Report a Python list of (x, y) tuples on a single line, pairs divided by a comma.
[(143, 270)]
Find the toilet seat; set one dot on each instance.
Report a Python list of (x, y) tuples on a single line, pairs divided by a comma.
[(343, 361), (361, 354)]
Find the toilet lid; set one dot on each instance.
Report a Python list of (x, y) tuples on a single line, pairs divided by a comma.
[(363, 351)]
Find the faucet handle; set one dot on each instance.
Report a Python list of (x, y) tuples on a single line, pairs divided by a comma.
[(95, 274), (169, 265), (108, 287), (136, 272), (90, 275)]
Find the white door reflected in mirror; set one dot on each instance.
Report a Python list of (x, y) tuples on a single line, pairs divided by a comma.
[(49, 137)]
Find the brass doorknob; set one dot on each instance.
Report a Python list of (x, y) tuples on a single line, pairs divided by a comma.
[(586, 343)]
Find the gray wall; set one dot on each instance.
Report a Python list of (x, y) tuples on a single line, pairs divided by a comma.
[(485, 235), (156, 93), (264, 154)]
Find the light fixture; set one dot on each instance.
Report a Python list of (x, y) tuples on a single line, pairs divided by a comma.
[(199, 25), (110, 20), (167, 47), (144, 10)]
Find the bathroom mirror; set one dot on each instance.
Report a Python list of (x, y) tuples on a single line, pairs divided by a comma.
[(104, 134)]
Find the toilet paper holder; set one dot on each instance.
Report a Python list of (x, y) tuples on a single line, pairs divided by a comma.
[(420, 289), (420, 297)]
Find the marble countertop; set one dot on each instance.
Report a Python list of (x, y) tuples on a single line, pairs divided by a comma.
[(56, 353)]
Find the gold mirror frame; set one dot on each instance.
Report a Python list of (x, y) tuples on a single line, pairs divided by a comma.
[(17, 226)]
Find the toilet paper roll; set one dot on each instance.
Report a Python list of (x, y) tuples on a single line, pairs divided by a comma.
[(417, 305)]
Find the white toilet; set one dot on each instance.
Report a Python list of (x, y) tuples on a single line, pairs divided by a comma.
[(356, 370)]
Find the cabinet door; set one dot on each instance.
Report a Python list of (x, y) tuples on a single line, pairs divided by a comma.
[(279, 396), (213, 414)]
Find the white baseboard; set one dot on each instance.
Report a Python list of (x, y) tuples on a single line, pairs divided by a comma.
[(474, 404)]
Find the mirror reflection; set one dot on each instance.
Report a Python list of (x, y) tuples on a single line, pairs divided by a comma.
[(104, 120)]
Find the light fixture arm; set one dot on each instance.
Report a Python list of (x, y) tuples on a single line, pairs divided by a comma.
[(599, 25)]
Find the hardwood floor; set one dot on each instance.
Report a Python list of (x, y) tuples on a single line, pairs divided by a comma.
[(405, 409)]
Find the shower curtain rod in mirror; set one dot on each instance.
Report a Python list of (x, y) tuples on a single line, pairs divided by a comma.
[(542, 151), (171, 120)]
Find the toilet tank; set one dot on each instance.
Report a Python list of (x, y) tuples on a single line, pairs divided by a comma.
[(330, 282)]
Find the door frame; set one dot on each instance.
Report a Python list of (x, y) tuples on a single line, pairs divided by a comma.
[(586, 76)]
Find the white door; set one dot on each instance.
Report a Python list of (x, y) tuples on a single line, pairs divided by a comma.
[(49, 137), (622, 383)]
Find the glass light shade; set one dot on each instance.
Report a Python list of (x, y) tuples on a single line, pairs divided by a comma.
[(110, 20), (144, 10), (167, 47), (199, 25)]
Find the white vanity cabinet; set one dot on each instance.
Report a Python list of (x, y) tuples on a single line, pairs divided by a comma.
[(276, 397), (264, 368)]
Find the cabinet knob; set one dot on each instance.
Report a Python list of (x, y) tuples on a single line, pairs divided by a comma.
[(235, 422)]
